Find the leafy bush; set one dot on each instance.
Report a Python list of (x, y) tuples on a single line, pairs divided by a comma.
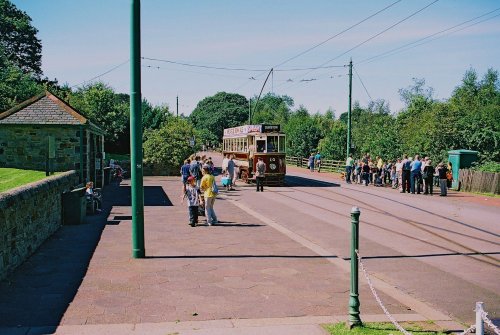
[(488, 167), (167, 147)]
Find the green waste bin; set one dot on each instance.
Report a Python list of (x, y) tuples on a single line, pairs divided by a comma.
[(460, 159), (74, 206)]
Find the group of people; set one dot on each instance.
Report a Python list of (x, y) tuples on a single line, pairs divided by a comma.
[(199, 188), (314, 161), (417, 175)]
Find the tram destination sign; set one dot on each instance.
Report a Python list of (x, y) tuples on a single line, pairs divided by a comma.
[(251, 128), (270, 128)]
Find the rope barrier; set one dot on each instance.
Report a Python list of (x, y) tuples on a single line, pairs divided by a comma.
[(484, 315), (389, 316), (468, 330), (488, 322)]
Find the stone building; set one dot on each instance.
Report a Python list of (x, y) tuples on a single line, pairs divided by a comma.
[(45, 132)]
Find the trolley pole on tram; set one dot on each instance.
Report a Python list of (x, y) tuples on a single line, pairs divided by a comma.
[(349, 111), (138, 250)]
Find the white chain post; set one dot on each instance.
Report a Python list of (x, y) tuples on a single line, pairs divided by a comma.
[(479, 318)]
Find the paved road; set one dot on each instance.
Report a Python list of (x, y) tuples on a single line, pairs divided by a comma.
[(441, 250), (279, 258)]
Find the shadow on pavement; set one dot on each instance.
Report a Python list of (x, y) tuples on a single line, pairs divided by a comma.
[(34, 298), (242, 225), (428, 255), (243, 256), (153, 196), (297, 181)]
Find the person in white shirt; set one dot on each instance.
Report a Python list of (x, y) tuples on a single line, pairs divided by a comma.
[(224, 163)]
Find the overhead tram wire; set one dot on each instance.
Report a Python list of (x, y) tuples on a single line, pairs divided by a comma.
[(393, 51), (357, 74), (374, 36), (338, 34), (236, 69), (205, 66), (436, 38), (328, 39), (196, 72), (102, 74)]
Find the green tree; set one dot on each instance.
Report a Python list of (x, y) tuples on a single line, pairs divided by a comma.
[(222, 110), (303, 133), (475, 109), (109, 110), (416, 120), (18, 39), (272, 109), (333, 144), (153, 117), (168, 146), (15, 86)]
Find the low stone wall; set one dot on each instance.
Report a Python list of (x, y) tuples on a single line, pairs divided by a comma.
[(28, 216)]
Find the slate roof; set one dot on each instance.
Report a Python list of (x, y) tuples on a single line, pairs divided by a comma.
[(46, 109)]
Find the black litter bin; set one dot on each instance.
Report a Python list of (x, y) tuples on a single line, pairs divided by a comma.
[(74, 206), (107, 175)]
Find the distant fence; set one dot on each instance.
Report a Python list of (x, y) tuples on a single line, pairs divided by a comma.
[(329, 165), (479, 181)]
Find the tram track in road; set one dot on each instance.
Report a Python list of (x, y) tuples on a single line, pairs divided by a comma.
[(376, 210), (471, 252)]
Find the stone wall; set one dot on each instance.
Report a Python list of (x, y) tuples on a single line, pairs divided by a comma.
[(28, 216), (26, 146)]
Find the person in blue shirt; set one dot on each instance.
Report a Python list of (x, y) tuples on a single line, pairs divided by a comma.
[(185, 173), (317, 161), (415, 174)]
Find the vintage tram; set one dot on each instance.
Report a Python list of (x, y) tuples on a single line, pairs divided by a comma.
[(249, 142)]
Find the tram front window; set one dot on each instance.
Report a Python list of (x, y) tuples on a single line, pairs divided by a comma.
[(272, 143), (261, 145)]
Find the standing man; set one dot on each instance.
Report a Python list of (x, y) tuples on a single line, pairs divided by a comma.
[(230, 170), (317, 159), (416, 174), (185, 173), (348, 168), (195, 170), (260, 174), (442, 171), (405, 175)]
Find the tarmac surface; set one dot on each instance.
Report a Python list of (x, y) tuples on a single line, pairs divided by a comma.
[(278, 263)]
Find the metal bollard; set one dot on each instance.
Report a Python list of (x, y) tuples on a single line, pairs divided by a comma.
[(354, 318), (479, 319)]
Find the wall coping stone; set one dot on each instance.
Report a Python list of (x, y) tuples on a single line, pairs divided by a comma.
[(10, 197)]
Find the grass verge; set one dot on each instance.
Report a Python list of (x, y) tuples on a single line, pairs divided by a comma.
[(12, 178), (385, 328)]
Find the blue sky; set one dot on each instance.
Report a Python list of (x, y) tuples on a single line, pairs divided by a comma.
[(82, 39)]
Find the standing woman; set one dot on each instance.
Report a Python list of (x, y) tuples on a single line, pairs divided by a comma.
[(449, 175), (207, 183), (310, 163)]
